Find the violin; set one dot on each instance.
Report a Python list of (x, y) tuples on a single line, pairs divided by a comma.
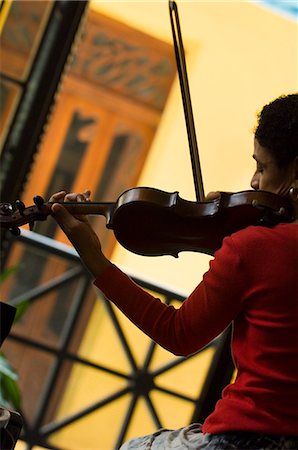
[(151, 222)]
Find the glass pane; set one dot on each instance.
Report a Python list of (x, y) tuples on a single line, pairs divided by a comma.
[(121, 166), (68, 165), (98, 430), (142, 422), (21, 36), (165, 405), (32, 381), (48, 310), (121, 170), (187, 378), (134, 335), (103, 345), (102, 387), (21, 445)]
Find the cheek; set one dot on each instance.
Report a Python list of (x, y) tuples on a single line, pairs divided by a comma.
[(274, 182), (262, 184), (266, 182)]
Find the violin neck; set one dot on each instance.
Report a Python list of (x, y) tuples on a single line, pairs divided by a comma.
[(88, 208)]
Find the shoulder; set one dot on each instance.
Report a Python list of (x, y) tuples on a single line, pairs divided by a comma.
[(244, 237), (258, 238), (282, 230)]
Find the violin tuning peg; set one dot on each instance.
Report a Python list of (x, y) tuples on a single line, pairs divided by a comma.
[(15, 231), (20, 205), (31, 226), (6, 209), (38, 200)]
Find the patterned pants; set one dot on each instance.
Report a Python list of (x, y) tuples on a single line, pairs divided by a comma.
[(191, 437)]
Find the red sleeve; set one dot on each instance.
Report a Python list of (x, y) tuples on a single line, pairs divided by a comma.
[(202, 316)]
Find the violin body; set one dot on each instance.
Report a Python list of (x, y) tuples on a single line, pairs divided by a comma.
[(152, 222)]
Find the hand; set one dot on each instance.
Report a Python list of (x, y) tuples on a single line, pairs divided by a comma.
[(72, 197), (79, 231), (68, 222), (213, 195)]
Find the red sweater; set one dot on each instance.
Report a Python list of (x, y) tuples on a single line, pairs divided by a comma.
[(253, 282)]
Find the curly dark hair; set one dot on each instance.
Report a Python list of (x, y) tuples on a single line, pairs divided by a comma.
[(277, 128)]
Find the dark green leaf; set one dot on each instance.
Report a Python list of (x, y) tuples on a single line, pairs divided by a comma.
[(6, 369), (7, 272), (10, 392), (21, 309)]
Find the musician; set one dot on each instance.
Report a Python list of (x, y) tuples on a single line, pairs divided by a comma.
[(252, 282)]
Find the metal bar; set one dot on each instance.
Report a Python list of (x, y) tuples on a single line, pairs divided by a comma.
[(37, 434), (126, 421), (121, 335), (169, 295), (153, 412), (38, 95), (67, 356), (149, 355), (36, 293), (66, 336), (51, 245), (68, 252), (11, 79), (179, 360), (46, 430), (175, 394)]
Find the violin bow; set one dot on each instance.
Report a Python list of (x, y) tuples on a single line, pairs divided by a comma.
[(187, 106)]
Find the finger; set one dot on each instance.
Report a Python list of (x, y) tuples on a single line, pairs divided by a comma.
[(63, 217), (87, 194), (57, 196), (81, 198), (84, 196), (71, 197), (76, 197)]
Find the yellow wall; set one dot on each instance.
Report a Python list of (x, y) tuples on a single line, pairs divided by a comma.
[(240, 56)]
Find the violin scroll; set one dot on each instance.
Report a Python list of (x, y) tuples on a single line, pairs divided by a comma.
[(13, 216)]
